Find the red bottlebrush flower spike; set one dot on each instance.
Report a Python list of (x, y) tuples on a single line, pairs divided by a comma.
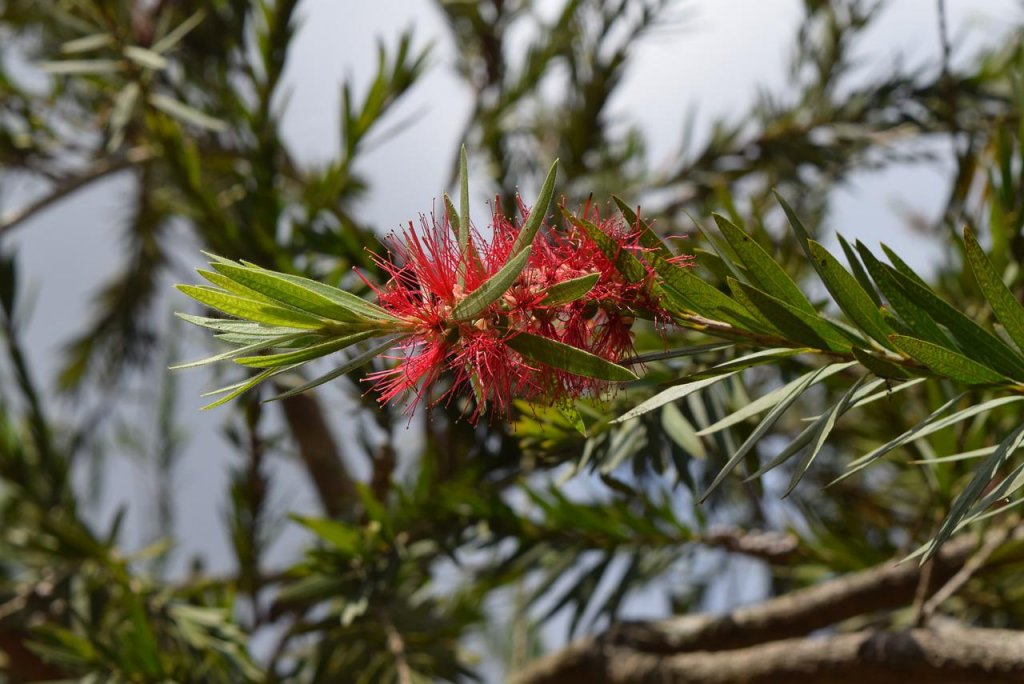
[(429, 276), (479, 353)]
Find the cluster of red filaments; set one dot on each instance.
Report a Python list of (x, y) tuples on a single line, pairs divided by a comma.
[(429, 276)]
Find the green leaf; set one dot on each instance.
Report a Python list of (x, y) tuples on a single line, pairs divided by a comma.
[(795, 324), (803, 237), (701, 297), (259, 345), (464, 204), (352, 364), (345, 538), (680, 431), (570, 290), (915, 318), (849, 295), (933, 423), (307, 353), (250, 309), (762, 267), (228, 285), (672, 394), (879, 366), (241, 388), (757, 358), (186, 114), (972, 338), (288, 293), (83, 66), (491, 289), (231, 325), (625, 262), (648, 238), (902, 267), (769, 420), (145, 58), (763, 403), (858, 271), (572, 416), (453, 216), (824, 426), (1005, 305), (946, 363), (174, 36), (983, 475), (537, 213), (338, 296), (567, 358), (807, 435)]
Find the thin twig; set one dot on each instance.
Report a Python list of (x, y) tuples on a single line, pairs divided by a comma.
[(101, 169), (975, 563)]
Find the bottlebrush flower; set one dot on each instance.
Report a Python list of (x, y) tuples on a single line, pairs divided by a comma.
[(429, 277)]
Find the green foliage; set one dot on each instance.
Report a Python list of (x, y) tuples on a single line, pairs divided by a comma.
[(887, 417)]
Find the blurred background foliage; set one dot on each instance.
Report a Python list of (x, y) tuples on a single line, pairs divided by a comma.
[(447, 563)]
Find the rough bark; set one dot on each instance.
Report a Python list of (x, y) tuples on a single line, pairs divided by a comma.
[(767, 642), (946, 655)]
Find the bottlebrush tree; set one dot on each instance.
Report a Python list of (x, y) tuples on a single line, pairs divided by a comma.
[(569, 441)]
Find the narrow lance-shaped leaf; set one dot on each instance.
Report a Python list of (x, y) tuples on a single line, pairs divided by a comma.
[(700, 297), (464, 205), (250, 309), (946, 363), (988, 349), (537, 212), (1006, 307), (305, 354), (648, 238), (288, 293), (915, 318), (768, 421), (491, 289), (626, 263), (243, 387), (858, 271), (568, 358), (762, 403), (673, 394), (933, 423), (341, 297), (982, 477), (766, 273), (849, 295), (796, 324), (259, 345), (352, 364), (824, 426), (570, 290)]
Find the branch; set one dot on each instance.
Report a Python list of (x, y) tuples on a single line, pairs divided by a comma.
[(797, 613), (320, 453), (767, 546), (99, 170), (940, 655), (885, 586)]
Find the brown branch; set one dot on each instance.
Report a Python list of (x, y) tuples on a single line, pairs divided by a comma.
[(319, 452), (939, 655), (68, 186), (973, 565), (800, 612), (768, 546), (884, 587)]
